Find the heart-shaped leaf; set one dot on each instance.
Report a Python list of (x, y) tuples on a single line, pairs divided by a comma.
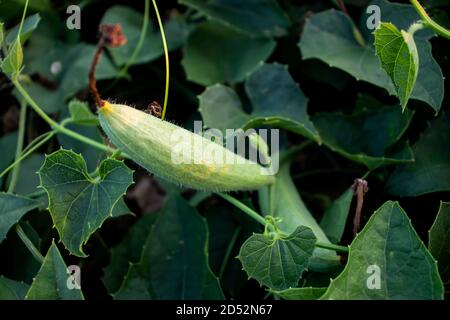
[(387, 260), (80, 203), (282, 200), (284, 107), (12, 209), (51, 282), (397, 52), (278, 262)]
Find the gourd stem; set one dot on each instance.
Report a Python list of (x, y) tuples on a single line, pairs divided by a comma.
[(254, 215), (19, 148), (56, 126), (166, 54), (250, 212), (430, 23)]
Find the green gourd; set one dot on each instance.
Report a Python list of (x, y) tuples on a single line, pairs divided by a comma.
[(154, 144)]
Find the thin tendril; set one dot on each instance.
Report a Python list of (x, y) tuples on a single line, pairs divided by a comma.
[(166, 54)]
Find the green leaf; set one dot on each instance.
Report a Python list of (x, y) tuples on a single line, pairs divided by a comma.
[(12, 63), (279, 261), (78, 202), (81, 114), (430, 172), (257, 17), (128, 251), (12, 290), (329, 36), (12, 209), (397, 52), (120, 209), (174, 262), (29, 24), (176, 30), (285, 107), (282, 200), (367, 137), (222, 59), (306, 293), (335, 217), (439, 240), (52, 279), (390, 243)]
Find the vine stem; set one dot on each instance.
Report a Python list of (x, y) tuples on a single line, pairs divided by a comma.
[(166, 54), (56, 126), (19, 148), (140, 43), (428, 21), (258, 218), (30, 246)]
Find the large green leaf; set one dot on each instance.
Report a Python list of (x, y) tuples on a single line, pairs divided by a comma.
[(390, 244), (330, 37), (131, 21), (335, 217), (284, 107), (281, 200), (367, 137), (439, 240), (278, 261), (174, 262), (12, 290), (257, 17), (430, 172), (222, 58), (12, 209), (307, 293), (398, 55), (80, 203), (128, 251), (52, 279)]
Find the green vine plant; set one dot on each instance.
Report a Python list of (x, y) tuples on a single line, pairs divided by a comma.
[(141, 132), (398, 54), (290, 245)]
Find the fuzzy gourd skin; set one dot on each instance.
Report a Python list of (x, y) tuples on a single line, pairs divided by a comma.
[(147, 141)]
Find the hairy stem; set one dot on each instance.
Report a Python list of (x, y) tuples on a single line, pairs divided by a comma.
[(56, 126), (430, 23), (258, 218), (140, 43)]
